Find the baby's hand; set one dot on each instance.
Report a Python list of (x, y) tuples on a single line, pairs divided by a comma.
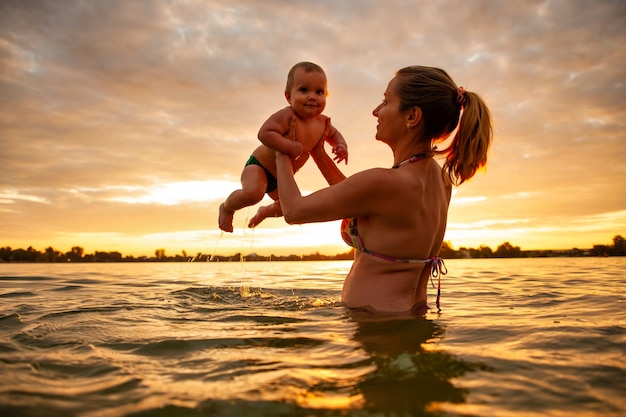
[(341, 153)]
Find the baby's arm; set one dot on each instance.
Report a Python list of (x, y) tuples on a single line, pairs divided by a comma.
[(273, 130), (340, 147)]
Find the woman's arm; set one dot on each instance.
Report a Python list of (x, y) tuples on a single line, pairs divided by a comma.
[(365, 193), (327, 167)]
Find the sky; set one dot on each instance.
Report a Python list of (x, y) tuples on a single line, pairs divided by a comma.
[(125, 123)]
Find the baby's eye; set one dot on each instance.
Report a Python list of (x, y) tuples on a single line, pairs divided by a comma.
[(321, 92), (302, 90)]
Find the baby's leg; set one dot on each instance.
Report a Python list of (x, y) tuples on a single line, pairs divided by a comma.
[(253, 186)]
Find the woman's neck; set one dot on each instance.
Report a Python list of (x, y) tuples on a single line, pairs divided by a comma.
[(402, 155)]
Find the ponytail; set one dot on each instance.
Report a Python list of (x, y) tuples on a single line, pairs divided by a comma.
[(468, 151)]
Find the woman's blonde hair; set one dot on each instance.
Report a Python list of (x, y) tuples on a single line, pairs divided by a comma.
[(444, 106)]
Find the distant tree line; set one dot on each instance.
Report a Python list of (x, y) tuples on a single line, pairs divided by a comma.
[(253, 257), (505, 250), (77, 254)]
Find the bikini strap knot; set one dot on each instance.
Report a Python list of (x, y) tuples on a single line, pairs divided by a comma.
[(437, 269)]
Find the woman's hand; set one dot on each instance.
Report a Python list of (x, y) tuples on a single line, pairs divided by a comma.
[(296, 149)]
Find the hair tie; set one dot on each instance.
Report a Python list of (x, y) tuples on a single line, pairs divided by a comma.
[(460, 97)]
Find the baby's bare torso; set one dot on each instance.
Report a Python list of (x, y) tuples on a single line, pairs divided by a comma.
[(308, 132)]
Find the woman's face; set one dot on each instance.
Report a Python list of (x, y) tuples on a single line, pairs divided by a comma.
[(391, 122)]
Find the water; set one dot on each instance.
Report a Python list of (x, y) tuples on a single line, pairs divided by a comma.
[(527, 337)]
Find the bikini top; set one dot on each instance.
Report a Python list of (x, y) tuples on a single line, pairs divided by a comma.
[(350, 235)]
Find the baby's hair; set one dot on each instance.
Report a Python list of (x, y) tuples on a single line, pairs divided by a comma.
[(307, 67), (444, 106)]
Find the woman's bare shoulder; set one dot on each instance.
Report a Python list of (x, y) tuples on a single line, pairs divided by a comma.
[(375, 182)]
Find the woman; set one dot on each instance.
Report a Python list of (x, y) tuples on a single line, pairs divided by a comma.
[(396, 218)]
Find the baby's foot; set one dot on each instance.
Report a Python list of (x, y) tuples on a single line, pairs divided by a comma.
[(260, 215), (225, 219)]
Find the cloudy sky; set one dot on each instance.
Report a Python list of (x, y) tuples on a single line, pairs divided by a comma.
[(124, 124)]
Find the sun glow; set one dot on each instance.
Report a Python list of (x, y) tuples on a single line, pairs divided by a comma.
[(174, 193)]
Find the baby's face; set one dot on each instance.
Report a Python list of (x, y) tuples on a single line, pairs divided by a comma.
[(308, 94)]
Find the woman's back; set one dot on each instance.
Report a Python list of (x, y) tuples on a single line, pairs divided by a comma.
[(410, 212)]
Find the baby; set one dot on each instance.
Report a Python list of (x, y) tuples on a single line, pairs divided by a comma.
[(306, 94)]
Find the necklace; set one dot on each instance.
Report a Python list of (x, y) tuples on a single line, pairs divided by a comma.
[(410, 159)]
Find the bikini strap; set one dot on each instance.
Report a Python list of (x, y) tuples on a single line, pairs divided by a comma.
[(437, 268)]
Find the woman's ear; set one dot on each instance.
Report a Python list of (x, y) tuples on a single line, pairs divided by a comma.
[(414, 116)]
